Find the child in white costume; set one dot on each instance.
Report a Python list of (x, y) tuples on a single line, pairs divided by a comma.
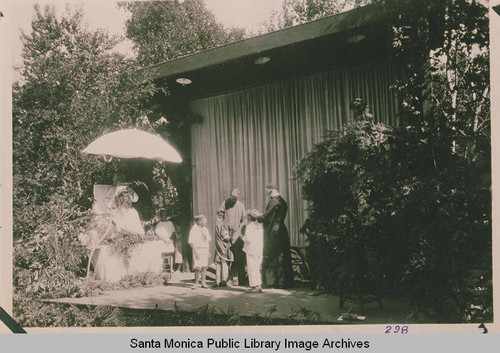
[(254, 248), (199, 239), (165, 230)]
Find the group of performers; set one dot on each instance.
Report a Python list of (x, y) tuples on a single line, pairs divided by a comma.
[(249, 246)]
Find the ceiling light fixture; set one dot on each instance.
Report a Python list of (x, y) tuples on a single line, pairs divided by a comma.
[(183, 81), (356, 38), (262, 60)]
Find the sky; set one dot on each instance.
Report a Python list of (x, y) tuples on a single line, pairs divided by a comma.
[(105, 14)]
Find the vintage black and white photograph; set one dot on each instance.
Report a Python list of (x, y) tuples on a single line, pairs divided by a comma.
[(250, 163)]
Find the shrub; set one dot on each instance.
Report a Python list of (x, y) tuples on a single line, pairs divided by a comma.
[(381, 220), (32, 312), (342, 179)]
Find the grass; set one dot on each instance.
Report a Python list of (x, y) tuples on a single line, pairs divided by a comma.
[(203, 316)]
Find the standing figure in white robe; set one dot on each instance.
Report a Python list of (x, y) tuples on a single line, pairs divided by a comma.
[(199, 239), (165, 230), (253, 246)]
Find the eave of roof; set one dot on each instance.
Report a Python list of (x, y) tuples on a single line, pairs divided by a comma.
[(343, 22)]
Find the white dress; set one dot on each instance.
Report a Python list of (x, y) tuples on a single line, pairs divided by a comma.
[(254, 246), (165, 230), (127, 220), (199, 239)]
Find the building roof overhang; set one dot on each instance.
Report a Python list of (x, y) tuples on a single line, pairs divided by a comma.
[(312, 47)]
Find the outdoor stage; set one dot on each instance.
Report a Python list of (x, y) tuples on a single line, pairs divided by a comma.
[(285, 301)]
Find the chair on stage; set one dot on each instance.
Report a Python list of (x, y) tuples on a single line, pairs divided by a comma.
[(167, 262)]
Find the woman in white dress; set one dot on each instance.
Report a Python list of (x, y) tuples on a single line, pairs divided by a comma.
[(253, 246), (125, 217)]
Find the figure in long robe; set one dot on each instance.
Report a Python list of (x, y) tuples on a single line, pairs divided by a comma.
[(234, 218), (223, 254), (277, 269)]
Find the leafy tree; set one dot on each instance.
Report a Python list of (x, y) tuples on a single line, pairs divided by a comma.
[(162, 31), (431, 204), (168, 29), (73, 88), (443, 149), (444, 46), (295, 12), (345, 180)]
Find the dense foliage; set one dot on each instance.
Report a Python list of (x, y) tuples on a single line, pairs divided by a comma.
[(62, 315), (345, 180), (422, 212), (295, 12), (73, 88), (214, 316), (162, 31), (32, 309), (168, 29), (444, 151), (405, 209)]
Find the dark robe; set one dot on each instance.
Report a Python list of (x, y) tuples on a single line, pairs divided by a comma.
[(277, 263), (223, 251)]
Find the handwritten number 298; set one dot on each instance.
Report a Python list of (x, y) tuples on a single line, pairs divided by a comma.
[(397, 329)]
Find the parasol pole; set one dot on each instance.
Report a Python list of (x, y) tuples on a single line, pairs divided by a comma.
[(107, 160)]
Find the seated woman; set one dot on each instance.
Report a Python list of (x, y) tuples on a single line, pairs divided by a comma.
[(122, 247), (137, 253), (125, 217)]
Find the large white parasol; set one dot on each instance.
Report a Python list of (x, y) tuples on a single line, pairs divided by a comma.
[(130, 143), (133, 143)]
